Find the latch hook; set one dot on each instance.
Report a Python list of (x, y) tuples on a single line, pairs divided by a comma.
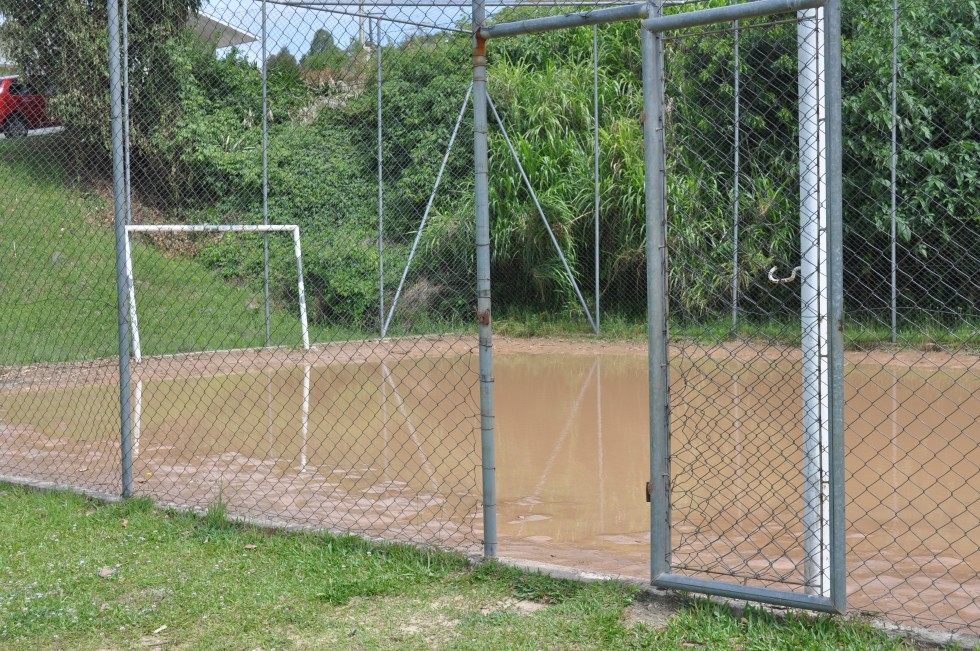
[(782, 281)]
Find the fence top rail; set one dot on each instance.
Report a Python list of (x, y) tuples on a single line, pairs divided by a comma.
[(599, 16), (367, 7), (200, 228), (728, 13)]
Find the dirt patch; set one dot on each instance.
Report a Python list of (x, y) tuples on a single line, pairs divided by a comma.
[(431, 627), (519, 606), (652, 613)]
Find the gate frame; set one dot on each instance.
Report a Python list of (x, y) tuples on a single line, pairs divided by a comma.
[(831, 598)]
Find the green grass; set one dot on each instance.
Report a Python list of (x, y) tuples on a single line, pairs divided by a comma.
[(57, 295), (920, 331), (80, 574)]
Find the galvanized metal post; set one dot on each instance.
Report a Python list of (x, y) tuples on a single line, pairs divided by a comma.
[(482, 197), (727, 13), (599, 16), (265, 174), (893, 165), (381, 202), (119, 205), (595, 161), (814, 298), (835, 218), (654, 160)]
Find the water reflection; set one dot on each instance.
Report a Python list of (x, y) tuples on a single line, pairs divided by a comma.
[(573, 459)]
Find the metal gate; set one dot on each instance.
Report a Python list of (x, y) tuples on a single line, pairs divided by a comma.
[(746, 426), (788, 547)]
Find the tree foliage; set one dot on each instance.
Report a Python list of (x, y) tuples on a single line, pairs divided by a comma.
[(938, 156), (283, 64), (197, 145), (65, 43), (542, 87), (324, 53)]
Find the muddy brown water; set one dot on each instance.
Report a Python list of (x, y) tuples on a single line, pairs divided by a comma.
[(393, 450)]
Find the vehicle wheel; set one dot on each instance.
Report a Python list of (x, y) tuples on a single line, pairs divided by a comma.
[(15, 127)]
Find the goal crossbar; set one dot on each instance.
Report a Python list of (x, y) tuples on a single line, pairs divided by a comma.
[(221, 228)]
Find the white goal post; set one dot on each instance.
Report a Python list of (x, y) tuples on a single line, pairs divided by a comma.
[(223, 228)]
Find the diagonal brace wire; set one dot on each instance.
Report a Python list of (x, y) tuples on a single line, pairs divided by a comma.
[(551, 233), (428, 208)]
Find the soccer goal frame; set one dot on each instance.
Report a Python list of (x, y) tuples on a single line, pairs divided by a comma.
[(211, 228)]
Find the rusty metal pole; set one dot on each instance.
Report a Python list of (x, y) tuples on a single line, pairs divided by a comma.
[(482, 191)]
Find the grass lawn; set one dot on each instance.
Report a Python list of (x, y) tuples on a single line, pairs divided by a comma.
[(80, 574)]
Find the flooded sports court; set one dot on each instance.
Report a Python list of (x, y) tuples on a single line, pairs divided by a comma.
[(390, 447)]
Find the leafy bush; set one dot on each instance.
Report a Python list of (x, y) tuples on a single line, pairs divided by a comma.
[(316, 181), (938, 176), (343, 278)]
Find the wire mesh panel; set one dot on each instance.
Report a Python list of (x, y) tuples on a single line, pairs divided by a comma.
[(912, 198), (739, 379), (278, 162), (358, 434), (566, 176), (749, 390), (59, 415)]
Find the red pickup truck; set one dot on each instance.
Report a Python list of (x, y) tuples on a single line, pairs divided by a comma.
[(22, 107)]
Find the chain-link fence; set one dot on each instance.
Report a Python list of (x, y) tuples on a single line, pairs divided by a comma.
[(295, 351), (736, 425), (913, 202), (737, 193), (327, 375)]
